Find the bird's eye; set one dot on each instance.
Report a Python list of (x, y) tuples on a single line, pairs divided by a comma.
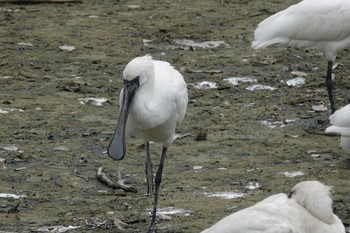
[(293, 192)]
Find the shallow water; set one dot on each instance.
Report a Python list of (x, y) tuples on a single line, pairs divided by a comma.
[(53, 144)]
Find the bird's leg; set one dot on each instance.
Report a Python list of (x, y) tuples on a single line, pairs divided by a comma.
[(158, 180), (329, 85), (148, 170)]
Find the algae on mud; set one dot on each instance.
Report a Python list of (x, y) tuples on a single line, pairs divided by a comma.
[(47, 83)]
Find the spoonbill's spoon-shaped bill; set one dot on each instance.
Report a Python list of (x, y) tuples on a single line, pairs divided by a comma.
[(340, 121), (320, 24), (117, 148), (307, 209), (153, 102)]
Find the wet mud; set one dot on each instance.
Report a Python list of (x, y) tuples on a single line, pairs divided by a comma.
[(232, 138)]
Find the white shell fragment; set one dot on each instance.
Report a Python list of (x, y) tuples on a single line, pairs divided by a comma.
[(12, 196), (204, 85), (319, 108), (296, 82), (25, 44), (55, 229), (10, 148), (171, 211), (203, 45), (279, 122), (252, 185), (222, 168), (258, 87), (292, 174), (225, 195), (93, 101), (236, 80), (179, 136), (185, 44), (133, 7), (299, 73), (61, 148), (67, 47), (5, 77), (7, 110)]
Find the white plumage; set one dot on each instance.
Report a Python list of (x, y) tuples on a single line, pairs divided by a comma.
[(160, 102), (340, 121), (320, 24), (308, 209), (152, 103)]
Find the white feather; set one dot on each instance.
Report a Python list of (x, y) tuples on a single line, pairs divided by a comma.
[(320, 24), (309, 210), (340, 121), (160, 102)]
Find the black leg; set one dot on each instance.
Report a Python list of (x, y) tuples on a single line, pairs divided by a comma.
[(149, 171), (158, 180), (329, 84)]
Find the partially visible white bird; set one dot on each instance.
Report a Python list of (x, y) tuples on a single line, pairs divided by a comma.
[(307, 209), (153, 102), (320, 24), (340, 121)]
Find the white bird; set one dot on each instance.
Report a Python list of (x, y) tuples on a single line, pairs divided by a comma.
[(153, 102), (320, 24), (307, 209), (340, 121)]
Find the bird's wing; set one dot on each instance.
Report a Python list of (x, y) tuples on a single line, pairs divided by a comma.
[(304, 24), (181, 98), (263, 217), (176, 88), (341, 117), (250, 226)]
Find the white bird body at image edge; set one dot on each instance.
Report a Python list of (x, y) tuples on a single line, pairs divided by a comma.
[(340, 121), (159, 104), (320, 24), (308, 210)]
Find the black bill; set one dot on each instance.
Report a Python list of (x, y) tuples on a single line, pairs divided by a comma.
[(117, 148)]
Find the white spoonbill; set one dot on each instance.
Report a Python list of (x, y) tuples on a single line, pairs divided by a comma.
[(307, 209), (340, 121), (320, 24), (153, 102)]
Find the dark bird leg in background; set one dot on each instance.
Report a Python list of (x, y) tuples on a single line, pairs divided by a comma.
[(148, 170), (329, 84), (158, 180)]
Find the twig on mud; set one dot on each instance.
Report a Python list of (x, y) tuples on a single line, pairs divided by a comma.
[(13, 209), (80, 176), (40, 1), (120, 224), (101, 176)]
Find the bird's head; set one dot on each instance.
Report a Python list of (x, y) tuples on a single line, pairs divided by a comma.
[(137, 72), (140, 69), (315, 197)]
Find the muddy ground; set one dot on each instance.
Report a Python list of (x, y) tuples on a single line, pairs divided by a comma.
[(53, 144)]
